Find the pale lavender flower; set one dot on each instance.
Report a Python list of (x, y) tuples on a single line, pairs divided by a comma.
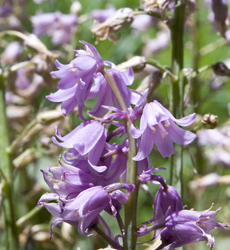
[(88, 139), (11, 52), (216, 142), (143, 22), (43, 22), (105, 171), (76, 79), (186, 226), (56, 25), (157, 44), (100, 15), (81, 211), (22, 79), (67, 181), (158, 127)]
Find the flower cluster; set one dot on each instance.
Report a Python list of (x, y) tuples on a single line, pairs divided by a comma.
[(87, 180), (56, 25)]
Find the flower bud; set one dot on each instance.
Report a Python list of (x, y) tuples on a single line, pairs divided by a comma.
[(136, 62), (18, 112), (75, 7), (221, 69), (50, 116), (209, 121)]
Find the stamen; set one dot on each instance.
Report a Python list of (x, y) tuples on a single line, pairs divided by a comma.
[(167, 123), (74, 70), (55, 186), (163, 132), (153, 129)]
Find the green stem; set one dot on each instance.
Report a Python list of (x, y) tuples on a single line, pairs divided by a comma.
[(131, 205), (177, 93), (15, 143), (11, 234), (163, 69), (20, 222), (106, 237), (196, 83)]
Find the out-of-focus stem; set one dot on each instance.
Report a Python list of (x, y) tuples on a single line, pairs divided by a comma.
[(195, 82), (177, 92), (10, 149), (11, 234), (131, 205), (28, 216)]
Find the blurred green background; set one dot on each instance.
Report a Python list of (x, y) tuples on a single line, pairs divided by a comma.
[(200, 36)]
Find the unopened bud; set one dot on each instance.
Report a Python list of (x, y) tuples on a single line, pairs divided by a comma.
[(75, 7), (204, 182), (28, 156), (221, 69), (18, 112), (136, 62), (48, 117), (209, 121), (106, 30)]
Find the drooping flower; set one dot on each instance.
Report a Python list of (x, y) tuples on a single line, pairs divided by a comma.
[(88, 139), (158, 127), (67, 180), (81, 211), (187, 226), (79, 201), (76, 79), (167, 201)]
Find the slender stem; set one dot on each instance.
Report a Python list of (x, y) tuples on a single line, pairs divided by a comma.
[(11, 233), (21, 65), (212, 46), (196, 83), (121, 224), (163, 69), (107, 238), (13, 33), (28, 216), (15, 143), (131, 173), (177, 93)]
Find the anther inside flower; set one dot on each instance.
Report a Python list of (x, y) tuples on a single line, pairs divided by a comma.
[(158, 127)]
